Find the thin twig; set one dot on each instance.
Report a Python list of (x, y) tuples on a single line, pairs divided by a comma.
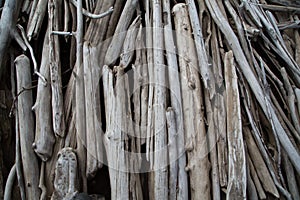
[(32, 55), (16, 97), (65, 33), (10, 183), (91, 15)]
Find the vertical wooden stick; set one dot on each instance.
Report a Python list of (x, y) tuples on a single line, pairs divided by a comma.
[(26, 122)]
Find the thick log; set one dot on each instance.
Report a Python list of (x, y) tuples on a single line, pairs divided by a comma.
[(44, 135), (193, 116), (237, 177), (26, 122)]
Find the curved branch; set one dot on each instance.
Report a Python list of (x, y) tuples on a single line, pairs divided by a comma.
[(91, 15)]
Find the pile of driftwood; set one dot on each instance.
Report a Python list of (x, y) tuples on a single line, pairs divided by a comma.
[(179, 99)]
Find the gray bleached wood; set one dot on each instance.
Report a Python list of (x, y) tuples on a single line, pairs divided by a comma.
[(237, 177), (251, 79), (116, 44), (26, 122), (176, 101), (44, 135), (193, 115), (58, 118)]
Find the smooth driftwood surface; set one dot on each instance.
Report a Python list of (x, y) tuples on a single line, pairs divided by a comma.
[(7, 26), (26, 128)]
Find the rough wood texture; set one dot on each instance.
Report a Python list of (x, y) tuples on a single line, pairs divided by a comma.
[(44, 135), (194, 128), (93, 112), (237, 182), (116, 44), (176, 102), (36, 18), (66, 180), (116, 131), (252, 81), (26, 128), (58, 119)]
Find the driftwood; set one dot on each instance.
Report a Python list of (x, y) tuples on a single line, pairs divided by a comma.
[(116, 130), (26, 128), (115, 46), (7, 26), (35, 21), (55, 70), (195, 139), (237, 181), (92, 100), (199, 103), (44, 135)]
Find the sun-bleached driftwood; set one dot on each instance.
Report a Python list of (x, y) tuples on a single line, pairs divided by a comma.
[(79, 98), (93, 35), (176, 101), (44, 135), (172, 151), (204, 65), (291, 100), (254, 176), (10, 183), (251, 79), (129, 43), (93, 113), (195, 139), (212, 148), (7, 25), (116, 130), (36, 18), (260, 165), (26, 128), (237, 182), (160, 158), (140, 89), (116, 44), (18, 160), (58, 119), (66, 180)]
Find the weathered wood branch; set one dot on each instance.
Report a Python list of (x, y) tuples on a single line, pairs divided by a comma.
[(44, 135), (237, 182), (26, 122), (8, 21), (193, 116)]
